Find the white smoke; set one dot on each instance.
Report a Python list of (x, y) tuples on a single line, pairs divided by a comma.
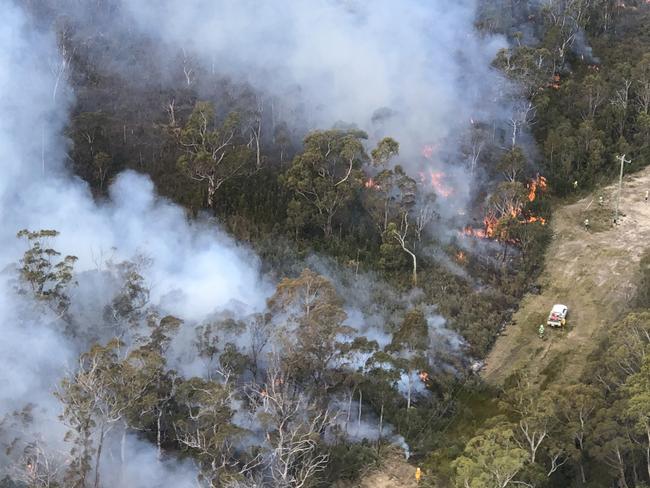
[(195, 269), (423, 61)]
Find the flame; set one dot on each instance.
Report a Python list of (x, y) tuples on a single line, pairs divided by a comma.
[(490, 221), (533, 219), (424, 376), (370, 183), (537, 183), (436, 180), (428, 150), (461, 257), (487, 232)]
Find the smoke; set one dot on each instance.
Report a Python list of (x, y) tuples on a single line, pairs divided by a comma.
[(195, 269), (365, 427), (416, 71)]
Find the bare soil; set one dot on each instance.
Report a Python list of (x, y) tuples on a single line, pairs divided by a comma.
[(394, 472), (592, 270)]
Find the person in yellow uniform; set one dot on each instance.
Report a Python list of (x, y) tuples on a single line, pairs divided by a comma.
[(418, 475)]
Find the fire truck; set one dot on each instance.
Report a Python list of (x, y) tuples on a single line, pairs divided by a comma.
[(557, 317)]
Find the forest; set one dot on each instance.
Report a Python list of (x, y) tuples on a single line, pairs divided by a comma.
[(271, 244)]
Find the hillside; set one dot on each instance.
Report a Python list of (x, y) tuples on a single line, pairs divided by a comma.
[(592, 271)]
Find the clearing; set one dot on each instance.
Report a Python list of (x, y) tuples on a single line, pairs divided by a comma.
[(593, 271)]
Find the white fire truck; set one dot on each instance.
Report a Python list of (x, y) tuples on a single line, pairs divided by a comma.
[(557, 317)]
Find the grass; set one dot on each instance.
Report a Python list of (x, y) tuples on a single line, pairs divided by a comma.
[(600, 217)]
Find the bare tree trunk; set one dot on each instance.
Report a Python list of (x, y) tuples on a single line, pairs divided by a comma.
[(212, 190), (347, 419), (159, 434), (621, 470), (415, 267), (123, 447), (408, 392), (647, 449), (257, 134), (360, 404), (328, 226), (100, 445)]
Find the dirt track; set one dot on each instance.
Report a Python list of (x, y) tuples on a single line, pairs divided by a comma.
[(592, 271), (395, 472)]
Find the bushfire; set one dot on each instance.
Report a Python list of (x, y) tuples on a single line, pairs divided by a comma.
[(428, 150), (537, 183), (437, 181), (490, 228), (424, 376), (370, 184)]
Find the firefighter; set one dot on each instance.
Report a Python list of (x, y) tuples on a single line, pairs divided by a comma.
[(540, 331), (418, 475), (575, 184), (646, 196), (601, 201), (587, 224)]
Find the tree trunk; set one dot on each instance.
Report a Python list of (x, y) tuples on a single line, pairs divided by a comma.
[(123, 447), (159, 434), (100, 445), (328, 225), (257, 146), (347, 419), (415, 268), (360, 403), (621, 470), (647, 449), (408, 390), (212, 189)]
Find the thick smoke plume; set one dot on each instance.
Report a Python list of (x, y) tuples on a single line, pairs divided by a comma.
[(195, 269), (417, 70)]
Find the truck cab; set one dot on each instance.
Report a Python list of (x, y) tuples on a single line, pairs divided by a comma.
[(557, 317)]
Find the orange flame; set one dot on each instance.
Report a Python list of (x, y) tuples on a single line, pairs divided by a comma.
[(370, 183), (436, 180), (428, 150), (441, 189), (490, 221), (461, 257), (533, 219), (424, 376), (538, 183)]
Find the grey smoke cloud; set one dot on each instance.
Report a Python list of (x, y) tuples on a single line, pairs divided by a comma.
[(422, 62), (195, 268)]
